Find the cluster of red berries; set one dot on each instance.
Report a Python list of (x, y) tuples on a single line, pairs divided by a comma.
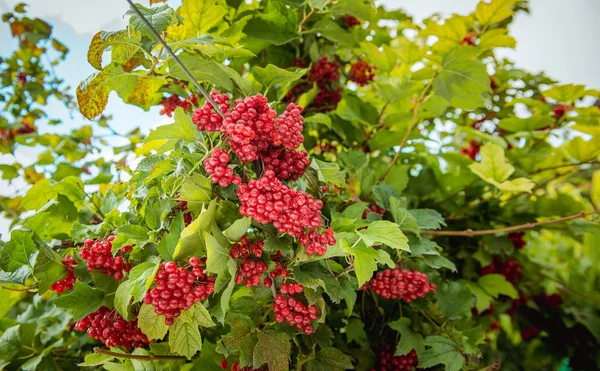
[(178, 288), (551, 302), (98, 255), (286, 164), (217, 167), (66, 283), (251, 269), (205, 118), (280, 269), (112, 329), (558, 111), (295, 93), (269, 201), (517, 304), (387, 361), (373, 209), (171, 103), (316, 243), (517, 239), (327, 99), (472, 151), (290, 310), (469, 39), (351, 21), (182, 206), (510, 269), (325, 72), (361, 72), (10, 134), (402, 284), (529, 332)]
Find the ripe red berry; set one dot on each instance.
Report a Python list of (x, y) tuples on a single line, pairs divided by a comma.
[(251, 267), (402, 284), (324, 72), (217, 167), (112, 329), (472, 151), (177, 288), (361, 73), (194, 261), (286, 164), (172, 102), (293, 311), (510, 269), (558, 111), (206, 118), (517, 239), (327, 99), (351, 21), (67, 283), (224, 364), (98, 255), (387, 361), (529, 332), (469, 39)]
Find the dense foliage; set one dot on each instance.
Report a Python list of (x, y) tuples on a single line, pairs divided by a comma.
[(359, 192)]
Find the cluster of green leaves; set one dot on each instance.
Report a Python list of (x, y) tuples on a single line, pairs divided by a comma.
[(395, 143)]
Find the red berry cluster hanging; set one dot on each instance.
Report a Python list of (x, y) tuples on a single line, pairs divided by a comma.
[(517, 239), (316, 243), (510, 269), (558, 111), (471, 151), (251, 268), (373, 209), (529, 332), (351, 21), (269, 201), (206, 118), (361, 73), (66, 284), (286, 164), (326, 74), (290, 310), (112, 329), (178, 288), (387, 361), (98, 255), (402, 284), (172, 102), (217, 167)]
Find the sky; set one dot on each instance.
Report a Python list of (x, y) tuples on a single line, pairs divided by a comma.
[(559, 37)]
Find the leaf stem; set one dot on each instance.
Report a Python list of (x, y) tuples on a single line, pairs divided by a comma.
[(345, 271), (592, 161), (472, 233)]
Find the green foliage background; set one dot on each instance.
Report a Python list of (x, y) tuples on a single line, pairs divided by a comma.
[(395, 142)]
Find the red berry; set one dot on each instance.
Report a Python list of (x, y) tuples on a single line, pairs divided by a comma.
[(361, 73), (351, 21), (402, 284), (194, 261), (224, 364), (108, 326)]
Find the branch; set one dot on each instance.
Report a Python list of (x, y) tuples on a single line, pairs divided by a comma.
[(303, 21), (345, 271), (138, 357), (412, 125), (472, 233)]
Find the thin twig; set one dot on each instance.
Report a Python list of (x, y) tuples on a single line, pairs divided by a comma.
[(136, 356), (345, 271), (472, 233), (177, 60), (303, 21)]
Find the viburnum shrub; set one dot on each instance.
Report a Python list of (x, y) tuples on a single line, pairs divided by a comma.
[(334, 193)]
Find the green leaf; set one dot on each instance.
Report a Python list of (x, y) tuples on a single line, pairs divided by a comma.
[(383, 194), (9, 171), (19, 251), (437, 262), (10, 345), (191, 240), (463, 80), (358, 8), (595, 189), (272, 349), (182, 129), (184, 338), (198, 18), (277, 25), (166, 246), (238, 229), (442, 351), (48, 268), (95, 359), (202, 70), (496, 38), (242, 338), (197, 315), (319, 118), (140, 279), (318, 4), (428, 218), (333, 32), (136, 233), (273, 75), (455, 300), (160, 17), (329, 172), (494, 167), (403, 217), (496, 284), (196, 189), (494, 12), (385, 232), (534, 122), (83, 300), (365, 260), (565, 93), (409, 339), (329, 359), (151, 323)]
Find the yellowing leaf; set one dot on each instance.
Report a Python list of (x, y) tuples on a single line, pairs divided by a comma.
[(582, 150), (516, 185), (184, 338), (494, 167), (199, 16), (151, 323), (595, 191), (496, 38), (494, 12)]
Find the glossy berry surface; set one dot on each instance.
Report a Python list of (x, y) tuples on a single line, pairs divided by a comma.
[(251, 267), (402, 284), (67, 283), (293, 311), (217, 167), (206, 118), (98, 255), (387, 361), (112, 329)]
